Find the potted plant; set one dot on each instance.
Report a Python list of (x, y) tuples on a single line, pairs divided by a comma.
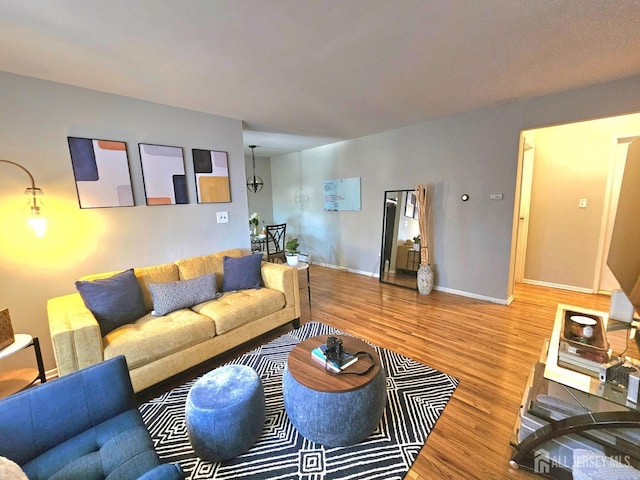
[(416, 243), (291, 251)]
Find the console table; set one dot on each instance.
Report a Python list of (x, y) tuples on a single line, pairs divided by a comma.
[(13, 381), (564, 411)]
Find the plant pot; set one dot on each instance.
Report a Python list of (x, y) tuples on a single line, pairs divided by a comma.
[(416, 247), (425, 279), (292, 259)]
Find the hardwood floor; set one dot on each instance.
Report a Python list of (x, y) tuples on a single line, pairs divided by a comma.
[(488, 347)]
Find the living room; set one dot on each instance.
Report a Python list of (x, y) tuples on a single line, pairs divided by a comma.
[(41, 114), (473, 151)]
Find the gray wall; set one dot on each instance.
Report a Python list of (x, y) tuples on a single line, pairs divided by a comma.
[(37, 116), (474, 153)]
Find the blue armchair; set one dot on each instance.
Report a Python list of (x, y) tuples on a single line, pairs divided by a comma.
[(84, 425)]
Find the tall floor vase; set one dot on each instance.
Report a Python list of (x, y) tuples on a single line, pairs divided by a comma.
[(425, 279)]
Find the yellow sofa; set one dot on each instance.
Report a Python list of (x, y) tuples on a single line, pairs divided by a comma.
[(158, 347)]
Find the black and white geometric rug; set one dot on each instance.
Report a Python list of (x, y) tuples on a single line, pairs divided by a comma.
[(416, 396)]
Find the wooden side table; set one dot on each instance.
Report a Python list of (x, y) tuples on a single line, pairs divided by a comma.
[(13, 381)]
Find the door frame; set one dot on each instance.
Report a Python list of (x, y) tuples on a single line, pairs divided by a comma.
[(614, 180), (524, 206)]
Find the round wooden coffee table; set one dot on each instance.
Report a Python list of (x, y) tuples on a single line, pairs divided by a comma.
[(333, 409)]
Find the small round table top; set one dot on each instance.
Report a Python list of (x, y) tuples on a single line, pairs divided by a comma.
[(20, 341), (311, 373)]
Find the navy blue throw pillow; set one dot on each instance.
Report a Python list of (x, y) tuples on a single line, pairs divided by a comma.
[(241, 273), (114, 301)]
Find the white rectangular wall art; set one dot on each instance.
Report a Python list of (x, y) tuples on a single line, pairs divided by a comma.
[(342, 194), (101, 172), (165, 182)]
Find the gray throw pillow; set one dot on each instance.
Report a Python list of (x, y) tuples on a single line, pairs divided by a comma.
[(171, 296), (241, 273), (114, 301)]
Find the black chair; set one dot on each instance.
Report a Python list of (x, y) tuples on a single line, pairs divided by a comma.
[(275, 243)]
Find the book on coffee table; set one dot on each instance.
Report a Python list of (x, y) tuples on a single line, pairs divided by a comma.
[(346, 359)]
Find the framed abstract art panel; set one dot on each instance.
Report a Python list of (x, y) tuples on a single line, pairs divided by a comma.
[(165, 182), (211, 169), (101, 172)]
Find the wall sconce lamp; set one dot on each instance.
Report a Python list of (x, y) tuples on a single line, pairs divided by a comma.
[(36, 222), (254, 183)]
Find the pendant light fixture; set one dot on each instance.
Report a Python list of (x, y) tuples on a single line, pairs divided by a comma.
[(254, 183)]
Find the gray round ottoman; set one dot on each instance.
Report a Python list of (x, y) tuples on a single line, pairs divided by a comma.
[(333, 410), (225, 412)]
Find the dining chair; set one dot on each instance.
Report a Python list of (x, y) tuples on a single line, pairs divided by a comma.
[(275, 243)]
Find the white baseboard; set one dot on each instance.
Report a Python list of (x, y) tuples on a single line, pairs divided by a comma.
[(461, 293), (558, 285), (350, 270), (499, 301)]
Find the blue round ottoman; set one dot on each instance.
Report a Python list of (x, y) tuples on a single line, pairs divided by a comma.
[(225, 412), (333, 410)]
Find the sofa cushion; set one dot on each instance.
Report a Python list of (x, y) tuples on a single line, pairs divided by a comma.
[(114, 301), (171, 296), (193, 267), (241, 273), (167, 272), (118, 448), (235, 309), (151, 338)]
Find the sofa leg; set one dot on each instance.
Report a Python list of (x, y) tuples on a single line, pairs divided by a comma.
[(296, 323)]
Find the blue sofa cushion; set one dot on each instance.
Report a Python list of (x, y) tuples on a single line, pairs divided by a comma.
[(117, 448), (127, 455), (114, 301), (38, 419), (81, 426), (241, 273)]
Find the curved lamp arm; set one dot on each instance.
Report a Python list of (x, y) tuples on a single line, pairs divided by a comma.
[(36, 221)]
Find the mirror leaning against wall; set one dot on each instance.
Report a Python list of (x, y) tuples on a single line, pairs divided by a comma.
[(400, 251)]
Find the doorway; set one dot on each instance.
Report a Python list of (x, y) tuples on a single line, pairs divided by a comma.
[(567, 193)]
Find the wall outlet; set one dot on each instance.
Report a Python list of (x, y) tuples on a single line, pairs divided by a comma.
[(496, 196), (223, 217), (582, 203)]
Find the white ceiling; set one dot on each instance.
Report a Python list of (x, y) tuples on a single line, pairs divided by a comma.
[(302, 73)]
